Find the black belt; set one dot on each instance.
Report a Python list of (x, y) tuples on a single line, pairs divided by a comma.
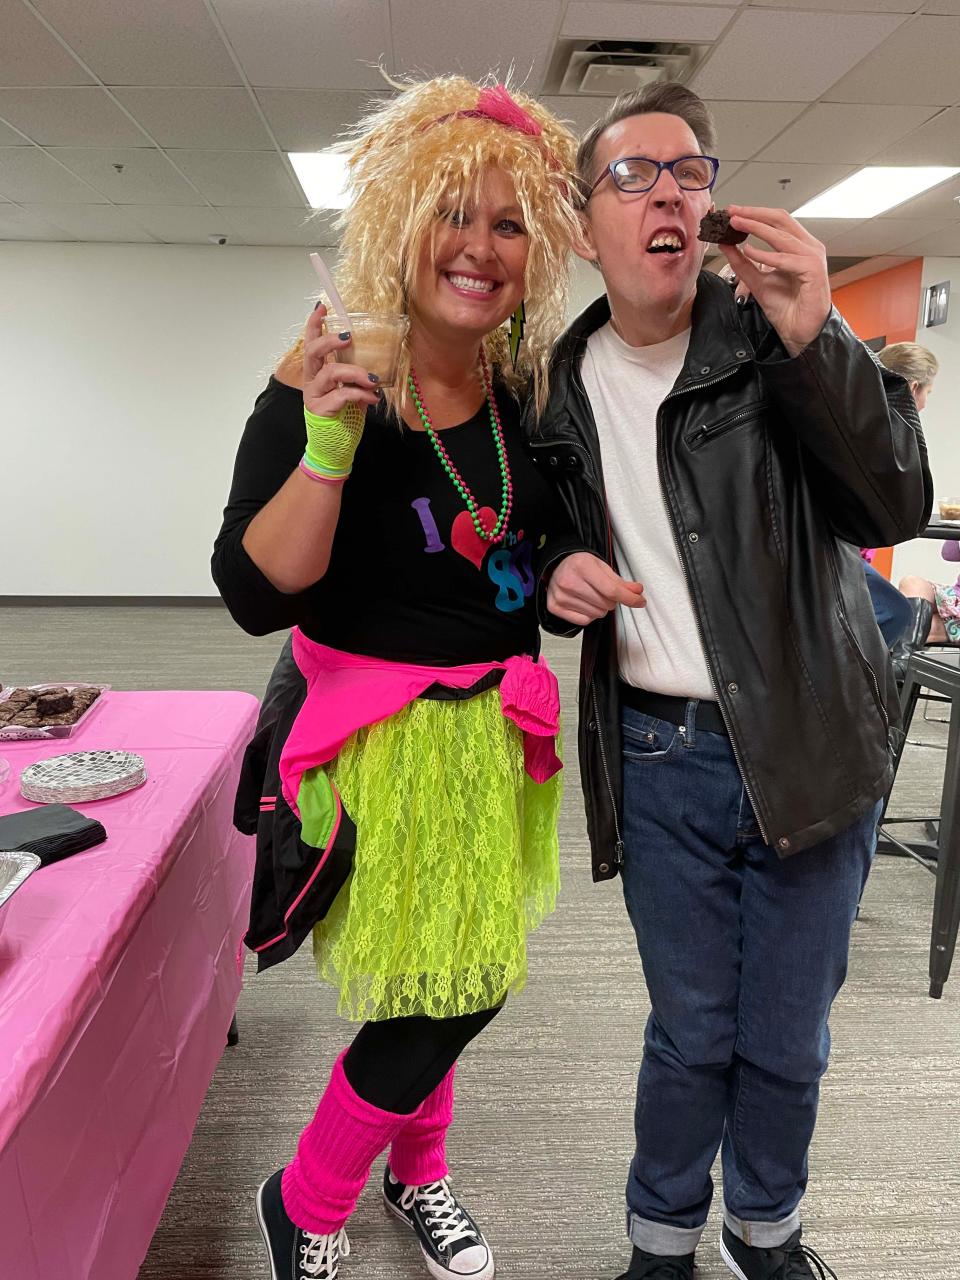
[(674, 710)]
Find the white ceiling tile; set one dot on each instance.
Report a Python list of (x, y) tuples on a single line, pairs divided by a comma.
[(30, 175), (827, 229), (920, 63), (729, 167), (309, 44), (445, 37), (936, 142), (614, 20), (759, 184), (147, 176), (10, 138), (74, 117), (844, 132), (312, 119), (215, 119), (284, 226), (940, 203), (130, 42), (245, 178), (183, 224), (744, 127), (951, 7), (881, 235), (92, 222), (579, 113), (20, 224), (29, 54), (768, 55), (938, 244)]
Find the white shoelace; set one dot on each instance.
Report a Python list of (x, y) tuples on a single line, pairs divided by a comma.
[(322, 1254), (442, 1212)]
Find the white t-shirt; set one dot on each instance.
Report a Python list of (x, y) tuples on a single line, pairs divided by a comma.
[(659, 647)]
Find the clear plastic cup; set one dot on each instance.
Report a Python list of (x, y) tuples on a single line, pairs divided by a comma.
[(949, 508), (375, 344)]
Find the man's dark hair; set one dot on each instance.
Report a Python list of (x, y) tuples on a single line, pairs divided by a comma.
[(669, 98)]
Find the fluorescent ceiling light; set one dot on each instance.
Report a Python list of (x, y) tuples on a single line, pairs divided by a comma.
[(323, 177), (873, 190)]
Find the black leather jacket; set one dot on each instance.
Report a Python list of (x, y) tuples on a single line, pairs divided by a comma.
[(774, 471)]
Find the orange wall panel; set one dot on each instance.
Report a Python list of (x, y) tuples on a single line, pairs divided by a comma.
[(884, 305)]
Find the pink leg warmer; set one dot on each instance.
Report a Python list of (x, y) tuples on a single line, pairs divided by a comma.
[(418, 1154), (322, 1183)]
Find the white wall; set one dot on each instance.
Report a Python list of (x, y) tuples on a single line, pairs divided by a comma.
[(941, 422), (126, 375), (586, 283)]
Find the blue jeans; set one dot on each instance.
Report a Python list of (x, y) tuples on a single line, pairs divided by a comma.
[(743, 954), (891, 609)]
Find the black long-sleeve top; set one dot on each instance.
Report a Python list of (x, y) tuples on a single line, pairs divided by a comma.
[(409, 580)]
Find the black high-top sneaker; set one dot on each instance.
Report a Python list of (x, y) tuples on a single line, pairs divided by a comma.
[(296, 1254), (789, 1261), (452, 1244), (657, 1266)]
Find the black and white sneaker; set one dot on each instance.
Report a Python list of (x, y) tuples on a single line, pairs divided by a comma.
[(451, 1242), (790, 1261), (655, 1266), (296, 1254)]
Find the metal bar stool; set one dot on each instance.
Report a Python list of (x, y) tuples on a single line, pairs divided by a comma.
[(942, 675)]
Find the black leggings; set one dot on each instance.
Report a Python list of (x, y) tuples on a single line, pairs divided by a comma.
[(396, 1063)]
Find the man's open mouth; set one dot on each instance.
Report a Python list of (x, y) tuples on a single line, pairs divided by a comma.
[(666, 242)]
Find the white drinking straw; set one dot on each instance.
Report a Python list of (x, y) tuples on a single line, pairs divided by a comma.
[(326, 279)]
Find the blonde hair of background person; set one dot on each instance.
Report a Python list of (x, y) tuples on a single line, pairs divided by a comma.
[(915, 363), (920, 367), (424, 149)]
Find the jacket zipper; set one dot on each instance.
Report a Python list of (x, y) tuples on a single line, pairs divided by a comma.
[(722, 427), (618, 845), (700, 386), (851, 636)]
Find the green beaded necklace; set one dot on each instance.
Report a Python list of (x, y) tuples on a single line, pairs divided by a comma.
[(499, 530)]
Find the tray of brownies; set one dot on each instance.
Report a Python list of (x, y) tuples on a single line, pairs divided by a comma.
[(47, 710)]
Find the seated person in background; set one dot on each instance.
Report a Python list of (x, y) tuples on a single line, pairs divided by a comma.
[(919, 366), (943, 627), (892, 609)]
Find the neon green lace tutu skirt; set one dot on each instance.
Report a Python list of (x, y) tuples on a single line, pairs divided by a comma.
[(456, 861)]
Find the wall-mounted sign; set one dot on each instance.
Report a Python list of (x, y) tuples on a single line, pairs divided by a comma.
[(935, 304)]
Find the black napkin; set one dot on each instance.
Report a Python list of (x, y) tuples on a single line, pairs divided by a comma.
[(52, 832)]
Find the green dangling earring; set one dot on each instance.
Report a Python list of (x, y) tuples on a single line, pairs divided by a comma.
[(517, 322)]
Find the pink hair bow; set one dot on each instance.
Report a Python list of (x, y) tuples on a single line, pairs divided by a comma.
[(497, 104)]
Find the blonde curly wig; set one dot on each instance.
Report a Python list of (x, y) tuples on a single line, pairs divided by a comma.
[(425, 149)]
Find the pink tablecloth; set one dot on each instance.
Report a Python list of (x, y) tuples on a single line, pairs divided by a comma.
[(119, 975)]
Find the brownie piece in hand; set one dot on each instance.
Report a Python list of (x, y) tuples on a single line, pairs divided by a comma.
[(715, 228)]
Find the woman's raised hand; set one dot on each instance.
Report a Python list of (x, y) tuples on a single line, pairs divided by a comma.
[(327, 384)]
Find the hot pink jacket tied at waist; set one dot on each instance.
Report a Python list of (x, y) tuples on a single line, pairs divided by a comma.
[(346, 691)]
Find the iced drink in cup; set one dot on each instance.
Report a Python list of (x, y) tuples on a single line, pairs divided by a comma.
[(375, 344)]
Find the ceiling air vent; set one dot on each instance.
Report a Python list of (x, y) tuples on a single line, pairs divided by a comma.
[(608, 67)]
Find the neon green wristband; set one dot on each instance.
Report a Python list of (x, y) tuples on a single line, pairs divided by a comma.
[(332, 442)]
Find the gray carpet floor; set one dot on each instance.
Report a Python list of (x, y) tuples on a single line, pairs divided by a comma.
[(543, 1131)]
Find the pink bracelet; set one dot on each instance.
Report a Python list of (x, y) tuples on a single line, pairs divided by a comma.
[(334, 480)]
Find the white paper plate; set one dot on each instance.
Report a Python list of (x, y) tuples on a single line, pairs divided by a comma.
[(15, 868), (82, 775)]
